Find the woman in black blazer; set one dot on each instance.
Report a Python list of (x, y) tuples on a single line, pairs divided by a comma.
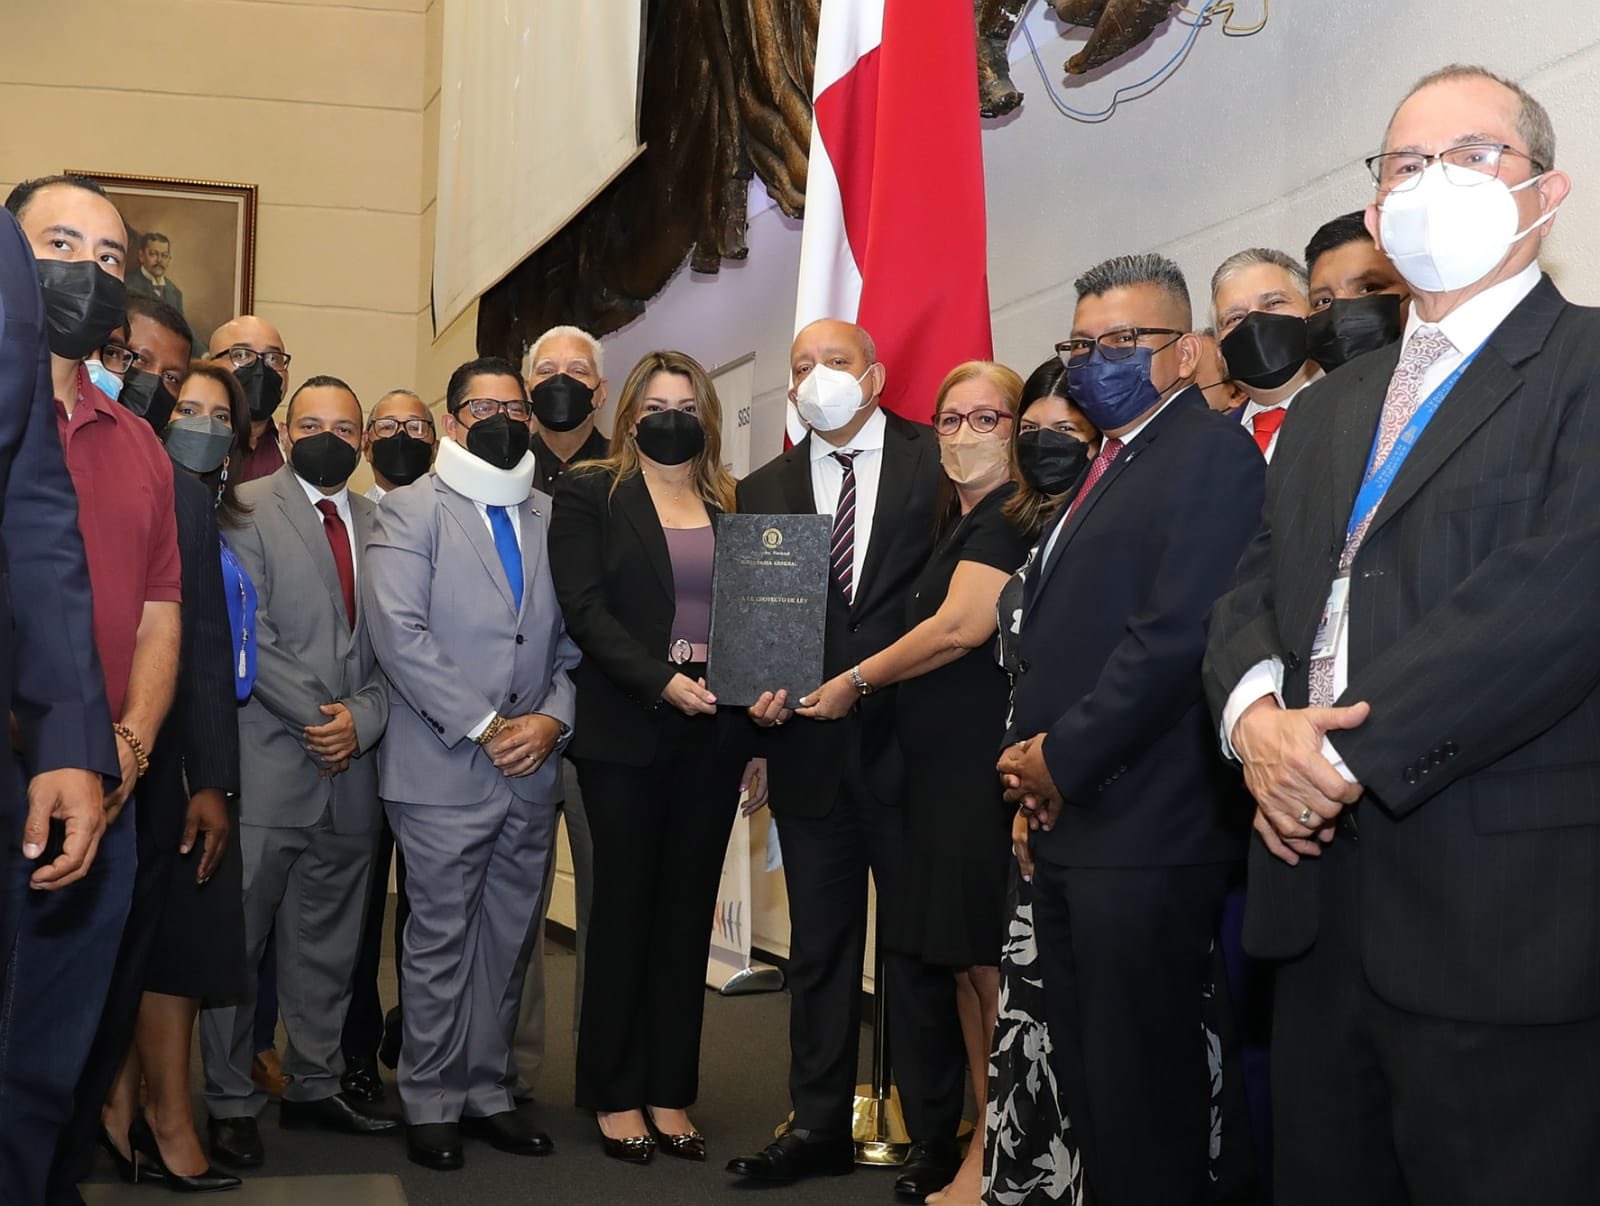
[(631, 541)]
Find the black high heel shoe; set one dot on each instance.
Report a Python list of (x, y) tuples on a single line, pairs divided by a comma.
[(634, 1149), (142, 1140), (127, 1167), (691, 1145)]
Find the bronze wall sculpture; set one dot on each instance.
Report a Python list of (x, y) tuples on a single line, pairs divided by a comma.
[(726, 96)]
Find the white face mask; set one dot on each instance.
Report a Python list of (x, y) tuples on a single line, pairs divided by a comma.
[(1444, 236), (829, 398)]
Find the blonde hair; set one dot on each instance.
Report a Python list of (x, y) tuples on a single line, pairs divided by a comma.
[(1009, 385), (712, 482)]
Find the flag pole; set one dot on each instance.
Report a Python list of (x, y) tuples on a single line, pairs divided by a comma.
[(877, 1125)]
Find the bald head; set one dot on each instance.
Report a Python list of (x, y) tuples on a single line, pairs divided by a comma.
[(831, 334), (400, 404), (247, 331)]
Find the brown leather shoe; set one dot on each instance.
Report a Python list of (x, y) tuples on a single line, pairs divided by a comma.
[(267, 1071)]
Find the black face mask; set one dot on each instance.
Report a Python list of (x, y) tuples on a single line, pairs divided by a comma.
[(83, 304), (263, 388), (323, 459), (401, 458), (1265, 350), (1052, 462), (200, 444), (670, 437), (145, 394), (499, 440), (562, 403), (1352, 326)]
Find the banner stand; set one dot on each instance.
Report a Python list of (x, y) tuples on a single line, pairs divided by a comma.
[(729, 968)]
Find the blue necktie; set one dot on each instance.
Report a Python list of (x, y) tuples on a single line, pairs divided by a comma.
[(505, 543)]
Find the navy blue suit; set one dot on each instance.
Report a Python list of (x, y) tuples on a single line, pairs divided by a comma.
[(1128, 886)]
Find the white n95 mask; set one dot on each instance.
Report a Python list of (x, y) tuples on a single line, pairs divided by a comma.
[(1444, 236), (829, 398)]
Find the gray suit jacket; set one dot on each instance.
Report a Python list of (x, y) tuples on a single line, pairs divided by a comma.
[(455, 648), (306, 656)]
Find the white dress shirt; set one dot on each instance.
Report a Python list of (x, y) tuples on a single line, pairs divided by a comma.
[(375, 492), (341, 503), (1466, 327), (516, 520), (1252, 409), (827, 477)]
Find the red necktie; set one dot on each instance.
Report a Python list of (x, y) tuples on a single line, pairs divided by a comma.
[(1265, 424), (1097, 470), (339, 542)]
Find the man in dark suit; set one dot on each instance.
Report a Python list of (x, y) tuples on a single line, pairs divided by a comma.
[(1139, 824), (50, 680), (1407, 667), (837, 787), (150, 278)]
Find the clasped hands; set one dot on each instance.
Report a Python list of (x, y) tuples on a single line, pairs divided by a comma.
[(334, 742), (1028, 784), (1289, 776)]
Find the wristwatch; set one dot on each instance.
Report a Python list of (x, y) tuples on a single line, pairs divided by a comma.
[(859, 683), (491, 730)]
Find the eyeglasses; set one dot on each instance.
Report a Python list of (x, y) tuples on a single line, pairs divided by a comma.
[(242, 357), (1467, 165), (1114, 345), (982, 421), (420, 429), (485, 408), (119, 359)]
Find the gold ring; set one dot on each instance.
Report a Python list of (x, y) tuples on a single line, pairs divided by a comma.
[(1306, 817)]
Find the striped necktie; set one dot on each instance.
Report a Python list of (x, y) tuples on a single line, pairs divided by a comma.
[(842, 552)]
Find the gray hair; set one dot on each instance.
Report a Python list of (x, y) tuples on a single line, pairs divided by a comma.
[(1249, 258), (1127, 271), (1533, 121), (564, 332), (407, 393)]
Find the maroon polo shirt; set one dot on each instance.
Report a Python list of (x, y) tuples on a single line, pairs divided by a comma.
[(125, 512), (265, 459)]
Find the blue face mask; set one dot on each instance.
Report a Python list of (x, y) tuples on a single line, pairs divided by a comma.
[(1113, 393), (103, 379)]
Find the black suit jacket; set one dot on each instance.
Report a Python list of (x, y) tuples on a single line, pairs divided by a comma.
[(1113, 632), (613, 576), (50, 676), (1472, 635), (198, 746), (807, 759)]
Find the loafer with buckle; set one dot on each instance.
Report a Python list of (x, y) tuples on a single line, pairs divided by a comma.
[(792, 1156), (435, 1145), (929, 1167), (236, 1141), (509, 1132), (336, 1113)]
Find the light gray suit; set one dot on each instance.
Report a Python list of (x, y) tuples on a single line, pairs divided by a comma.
[(307, 840), (456, 648)]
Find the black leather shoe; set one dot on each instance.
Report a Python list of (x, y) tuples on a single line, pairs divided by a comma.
[(143, 1142), (361, 1082), (689, 1145), (791, 1157), (508, 1132), (236, 1141), (929, 1167), (334, 1113), (632, 1149), (389, 1049), (435, 1145)]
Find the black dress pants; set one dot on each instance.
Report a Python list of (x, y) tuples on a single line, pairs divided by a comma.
[(660, 833), (1127, 955), (363, 1025), (826, 860), (1376, 1105)]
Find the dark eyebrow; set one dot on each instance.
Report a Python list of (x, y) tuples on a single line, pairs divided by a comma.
[(64, 230), (113, 244)]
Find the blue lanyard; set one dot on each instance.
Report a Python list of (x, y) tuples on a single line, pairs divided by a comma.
[(1375, 484)]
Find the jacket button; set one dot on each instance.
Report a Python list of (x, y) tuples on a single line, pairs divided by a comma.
[(1437, 757), (855, 628), (1022, 666), (1450, 749), (1292, 661), (520, 638), (513, 697), (1411, 774)]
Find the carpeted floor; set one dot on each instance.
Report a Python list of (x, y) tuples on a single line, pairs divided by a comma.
[(743, 1095)]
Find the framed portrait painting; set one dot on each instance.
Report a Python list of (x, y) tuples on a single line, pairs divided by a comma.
[(194, 244)]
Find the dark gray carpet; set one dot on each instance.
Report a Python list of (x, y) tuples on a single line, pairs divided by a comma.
[(743, 1095)]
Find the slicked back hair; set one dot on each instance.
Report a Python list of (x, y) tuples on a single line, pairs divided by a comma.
[(484, 366), (1250, 257), (1533, 120), (18, 199), (1128, 271), (1332, 235)]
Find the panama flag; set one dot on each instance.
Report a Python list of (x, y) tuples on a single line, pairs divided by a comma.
[(894, 236)]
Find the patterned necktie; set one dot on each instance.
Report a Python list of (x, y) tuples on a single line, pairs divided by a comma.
[(339, 544), (1265, 425), (505, 543), (1422, 351), (1097, 470), (842, 551)]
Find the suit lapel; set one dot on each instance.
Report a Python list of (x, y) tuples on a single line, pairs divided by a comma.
[(1355, 423), (796, 477), (900, 453), (464, 513), (307, 523), (633, 501), (533, 547)]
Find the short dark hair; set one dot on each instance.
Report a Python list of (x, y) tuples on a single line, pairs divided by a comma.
[(1330, 236), (1126, 271), (153, 236), (1049, 380), (18, 199), (484, 366), (162, 314), (323, 381)]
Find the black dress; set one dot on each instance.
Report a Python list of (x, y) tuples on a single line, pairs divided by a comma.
[(950, 723)]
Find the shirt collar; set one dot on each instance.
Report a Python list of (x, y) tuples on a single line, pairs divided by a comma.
[(92, 402), (1474, 320), (158, 284), (1252, 409), (1129, 437), (868, 439), (340, 500)]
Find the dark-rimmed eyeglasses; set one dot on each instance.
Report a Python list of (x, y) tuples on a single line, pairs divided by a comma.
[(243, 357), (1114, 345), (1466, 165), (417, 429), (983, 420), (487, 408), (119, 359)]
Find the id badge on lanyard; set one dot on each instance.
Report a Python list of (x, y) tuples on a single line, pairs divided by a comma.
[(1335, 614)]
